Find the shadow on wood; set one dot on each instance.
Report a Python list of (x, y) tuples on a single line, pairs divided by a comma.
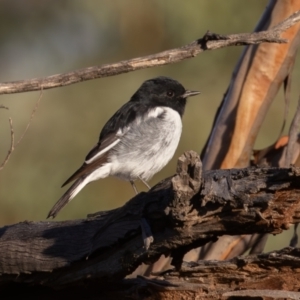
[(183, 212)]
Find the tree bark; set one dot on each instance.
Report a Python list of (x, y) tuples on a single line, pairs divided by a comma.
[(183, 212), (265, 276), (258, 76)]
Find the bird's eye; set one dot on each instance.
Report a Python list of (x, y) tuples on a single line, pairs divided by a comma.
[(170, 93)]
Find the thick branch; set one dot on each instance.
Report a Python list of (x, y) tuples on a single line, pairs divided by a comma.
[(208, 42), (265, 276), (183, 212), (269, 276)]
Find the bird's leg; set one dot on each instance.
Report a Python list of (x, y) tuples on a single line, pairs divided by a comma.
[(133, 186), (145, 183)]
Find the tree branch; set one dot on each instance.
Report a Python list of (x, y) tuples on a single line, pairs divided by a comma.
[(183, 212), (208, 42), (264, 276)]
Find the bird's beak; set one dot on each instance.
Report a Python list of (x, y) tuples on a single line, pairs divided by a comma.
[(190, 93)]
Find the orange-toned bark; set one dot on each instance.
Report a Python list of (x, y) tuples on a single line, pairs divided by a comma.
[(269, 67)]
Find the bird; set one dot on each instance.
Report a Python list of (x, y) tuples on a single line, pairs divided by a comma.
[(137, 141)]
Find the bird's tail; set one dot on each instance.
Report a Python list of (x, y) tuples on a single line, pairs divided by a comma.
[(67, 196)]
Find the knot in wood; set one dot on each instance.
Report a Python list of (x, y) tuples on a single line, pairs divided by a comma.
[(186, 183)]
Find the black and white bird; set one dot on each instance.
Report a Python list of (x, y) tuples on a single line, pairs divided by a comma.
[(137, 141)]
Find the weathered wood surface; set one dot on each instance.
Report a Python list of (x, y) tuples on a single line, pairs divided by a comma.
[(274, 275), (184, 212)]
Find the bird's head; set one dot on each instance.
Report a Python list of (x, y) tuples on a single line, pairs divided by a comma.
[(163, 91)]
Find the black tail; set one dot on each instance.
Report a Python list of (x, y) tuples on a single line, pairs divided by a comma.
[(66, 197)]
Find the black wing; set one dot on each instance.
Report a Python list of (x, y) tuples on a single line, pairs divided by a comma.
[(108, 138), (123, 117)]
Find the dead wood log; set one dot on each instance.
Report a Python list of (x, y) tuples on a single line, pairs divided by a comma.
[(273, 275), (183, 212)]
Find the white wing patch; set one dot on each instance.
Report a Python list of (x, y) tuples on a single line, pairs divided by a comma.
[(102, 151)]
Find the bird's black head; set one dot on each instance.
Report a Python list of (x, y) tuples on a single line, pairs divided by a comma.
[(163, 91)]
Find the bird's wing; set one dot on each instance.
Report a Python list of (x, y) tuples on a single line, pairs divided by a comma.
[(96, 157), (110, 136), (122, 118)]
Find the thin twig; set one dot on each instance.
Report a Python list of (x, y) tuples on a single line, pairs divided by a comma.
[(36, 106), (12, 143), (208, 42), (2, 106)]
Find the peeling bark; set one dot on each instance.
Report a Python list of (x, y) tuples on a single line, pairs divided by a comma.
[(259, 74), (273, 275)]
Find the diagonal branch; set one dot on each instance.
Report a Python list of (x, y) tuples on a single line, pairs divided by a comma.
[(208, 42), (183, 212)]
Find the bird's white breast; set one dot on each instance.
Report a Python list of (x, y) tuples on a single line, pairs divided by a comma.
[(148, 146)]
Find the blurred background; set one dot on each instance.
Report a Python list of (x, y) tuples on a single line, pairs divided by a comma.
[(42, 37)]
